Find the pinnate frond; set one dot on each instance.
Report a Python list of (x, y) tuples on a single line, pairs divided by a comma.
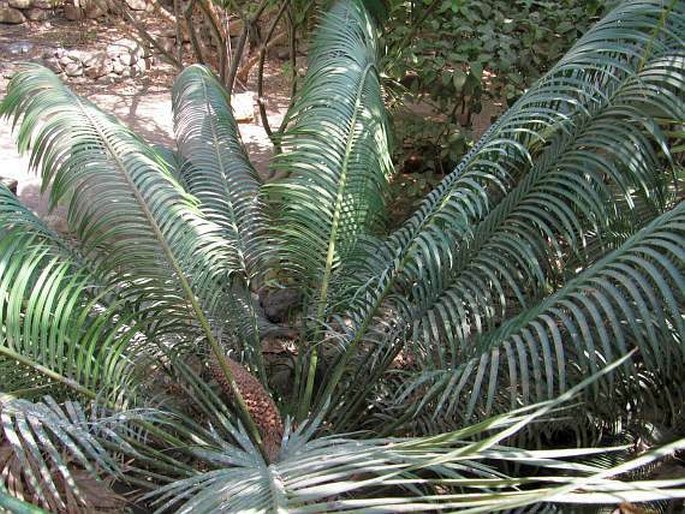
[(335, 151)]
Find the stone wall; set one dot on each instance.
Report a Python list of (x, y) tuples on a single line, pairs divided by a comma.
[(121, 59), (19, 11)]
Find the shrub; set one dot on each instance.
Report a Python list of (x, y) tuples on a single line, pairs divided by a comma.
[(546, 267)]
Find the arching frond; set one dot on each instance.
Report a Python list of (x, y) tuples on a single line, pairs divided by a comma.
[(448, 473), (52, 455), (336, 158), (493, 238), (335, 151), (520, 249), (61, 324), (124, 206), (132, 218), (633, 297), (216, 169)]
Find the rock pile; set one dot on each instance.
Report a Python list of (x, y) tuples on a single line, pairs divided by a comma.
[(19, 11), (122, 59)]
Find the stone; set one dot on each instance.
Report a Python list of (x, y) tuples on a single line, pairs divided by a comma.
[(96, 8), (117, 67), (96, 72), (136, 5), (279, 303), (124, 46), (95, 12), (128, 59), (79, 55), (10, 183), (73, 13), (36, 14), (20, 4), (243, 106), (11, 16), (74, 69), (97, 59), (46, 4), (20, 47), (53, 64)]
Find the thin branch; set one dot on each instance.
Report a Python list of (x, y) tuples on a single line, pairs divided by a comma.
[(197, 47), (148, 37), (293, 52), (235, 61), (245, 70), (159, 9), (215, 24), (179, 32), (260, 74), (240, 48)]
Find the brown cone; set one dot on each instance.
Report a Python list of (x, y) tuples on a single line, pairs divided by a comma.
[(260, 405)]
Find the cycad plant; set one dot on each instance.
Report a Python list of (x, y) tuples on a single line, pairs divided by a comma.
[(540, 287)]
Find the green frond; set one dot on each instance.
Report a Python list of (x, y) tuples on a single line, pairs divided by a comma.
[(218, 173), (450, 472), (16, 506), (632, 297), (337, 164), (335, 152), (493, 238), (542, 223), (548, 267), (61, 326), (49, 453), (217, 170), (124, 206), (131, 216)]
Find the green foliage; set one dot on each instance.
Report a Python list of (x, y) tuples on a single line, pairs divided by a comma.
[(449, 43), (459, 55), (541, 279)]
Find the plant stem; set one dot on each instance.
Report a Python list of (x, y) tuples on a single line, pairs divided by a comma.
[(209, 11), (247, 23), (332, 242), (236, 58), (72, 384), (179, 34)]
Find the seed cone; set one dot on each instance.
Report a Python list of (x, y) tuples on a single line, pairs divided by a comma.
[(260, 405)]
